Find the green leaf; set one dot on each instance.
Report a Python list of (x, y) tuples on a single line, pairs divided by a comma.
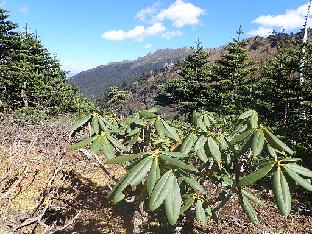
[(153, 176), (160, 128), (200, 142), (193, 183), (248, 209), (82, 143), (161, 190), (290, 159), (124, 158), (103, 125), (188, 143), (80, 123), (95, 124), (281, 192), (201, 124), (96, 145), (302, 182), (242, 136), (276, 143), (200, 213), (117, 143), (178, 163), (107, 122), (246, 114), (170, 131), (206, 121), (254, 120), (173, 202), (256, 175), (299, 169), (187, 204), (175, 154), (214, 149), (133, 177), (257, 142), (201, 153), (108, 149), (142, 172), (254, 199)]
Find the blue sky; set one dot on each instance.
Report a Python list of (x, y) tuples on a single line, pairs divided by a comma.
[(86, 34)]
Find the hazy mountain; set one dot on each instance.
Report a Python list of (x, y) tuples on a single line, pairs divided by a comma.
[(94, 82)]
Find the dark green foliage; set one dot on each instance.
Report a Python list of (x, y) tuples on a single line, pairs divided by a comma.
[(231, 74), (191, 90), (32, 76)]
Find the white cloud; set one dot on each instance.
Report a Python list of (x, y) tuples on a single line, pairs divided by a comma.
[(24, 10), (137, 33), (148, 46), (261, 31), (181, 13), (148, 11), (171, 34), (290, 20)]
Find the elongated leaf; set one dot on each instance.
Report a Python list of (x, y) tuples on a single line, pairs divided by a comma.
[(276, 143), (142, 173), (214, 149), (201, 124), (223, 144), (80, 123), (134, 131), (103, 125), (248, 209), (124, 158), (272, 151), (175, 154), (153, 176), (200, 142), (170, 131), (246, 114), (290, 159), (242, 136), (201, 153), (160, 128), (161, 190), (200, 213), (82, 143), (173, 202), (134, 139), (117, 143), (302, 182), (299, 169), (95, 124), (254, 120), (107, 122), (187, 204), (257, 142), (254, 199), (281, 192), (256, 175), (137, 173), (193, 183), (178, 163), (108, 150), (97, 145), (188, 143), (206, 121)]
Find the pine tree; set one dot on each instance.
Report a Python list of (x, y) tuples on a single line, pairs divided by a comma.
[(191, 90), (34, 78), (231, 73)]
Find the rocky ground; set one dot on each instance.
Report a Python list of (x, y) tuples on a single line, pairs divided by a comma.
[(44, 188)]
